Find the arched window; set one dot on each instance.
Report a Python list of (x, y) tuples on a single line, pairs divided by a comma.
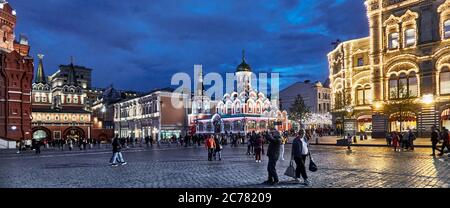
[(413, 87), (367, 95), (359, 96), (447, 29), (237, 108), (251, 107), (258, 108), (393, 41), (363, 95), (404, 86), (444, 80), (393, 87), (410, 37), (229, 108)]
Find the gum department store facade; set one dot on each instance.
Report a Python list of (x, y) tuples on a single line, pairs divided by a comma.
[(408, 47)]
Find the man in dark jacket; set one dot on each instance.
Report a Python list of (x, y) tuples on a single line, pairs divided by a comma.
[(434, 140), (299, 153), (117, 154), (273, 152), (445, 137)]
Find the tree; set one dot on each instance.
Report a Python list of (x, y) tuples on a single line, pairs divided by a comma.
[(299, 111), (401, 105), (342, 100)]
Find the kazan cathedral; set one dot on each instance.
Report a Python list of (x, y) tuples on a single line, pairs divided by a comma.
[(241, 111)]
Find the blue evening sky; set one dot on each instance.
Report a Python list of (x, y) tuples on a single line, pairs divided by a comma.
[(140, 44)]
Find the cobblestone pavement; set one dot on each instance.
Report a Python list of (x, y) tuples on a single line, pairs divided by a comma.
[(187, 168)]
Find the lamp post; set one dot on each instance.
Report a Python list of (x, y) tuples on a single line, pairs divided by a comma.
[(429, 101), (348, 109)]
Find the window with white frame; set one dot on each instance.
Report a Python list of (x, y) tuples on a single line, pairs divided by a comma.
[(447, 29), (393, 41), (444, 79), (393, 82), (403, 86), (363, 95), (413, 87), (410, 37), (360, 61)]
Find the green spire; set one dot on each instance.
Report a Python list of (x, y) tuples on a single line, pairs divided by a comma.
[(40, 75)]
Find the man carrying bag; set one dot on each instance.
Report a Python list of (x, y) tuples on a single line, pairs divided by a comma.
[(299, 153)]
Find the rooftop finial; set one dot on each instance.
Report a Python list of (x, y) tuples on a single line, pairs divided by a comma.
[(243, 54), (71, 60)]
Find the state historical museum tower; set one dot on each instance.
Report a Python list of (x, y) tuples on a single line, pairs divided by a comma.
[(16, 74)]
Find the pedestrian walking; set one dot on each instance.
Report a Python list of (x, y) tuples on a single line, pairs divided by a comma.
[(411, 139), (19, 146), (218, 150), (37, 147), (250, 143), (299, 153), (273, 153), (70, 143), (349, 141), (435, 138), (117, 157), (258, 146), (283, 144), (210, 146), (445, 140), (388, 139)]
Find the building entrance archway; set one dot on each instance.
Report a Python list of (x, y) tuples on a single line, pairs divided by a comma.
[(41, 133), (402, 122), (74, 133)]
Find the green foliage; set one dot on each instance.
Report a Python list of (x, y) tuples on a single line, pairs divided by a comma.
[(402, 104), (299, 111)]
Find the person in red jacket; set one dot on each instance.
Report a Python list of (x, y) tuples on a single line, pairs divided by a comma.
[(395, 141), (210, 146)]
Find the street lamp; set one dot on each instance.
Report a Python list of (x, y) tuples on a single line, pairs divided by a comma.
[(349, 110), (428, 99)]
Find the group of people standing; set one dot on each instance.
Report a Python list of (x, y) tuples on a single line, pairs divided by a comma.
[(275, 151), (401, 141)]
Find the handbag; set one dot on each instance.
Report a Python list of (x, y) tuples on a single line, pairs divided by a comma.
[(312, 164), (290, 171)]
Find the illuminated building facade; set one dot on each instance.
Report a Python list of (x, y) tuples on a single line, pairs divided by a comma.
[(406, 55), (241, 111), (159, 114), (16, 75), (317, 98), (59, 108), (103, 110)]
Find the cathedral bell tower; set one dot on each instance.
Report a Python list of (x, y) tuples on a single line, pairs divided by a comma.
[(244, 76)]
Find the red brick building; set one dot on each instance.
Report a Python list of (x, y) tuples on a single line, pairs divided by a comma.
[(16, 75)]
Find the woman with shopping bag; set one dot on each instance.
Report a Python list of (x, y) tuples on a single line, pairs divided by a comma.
[(300, 152)]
